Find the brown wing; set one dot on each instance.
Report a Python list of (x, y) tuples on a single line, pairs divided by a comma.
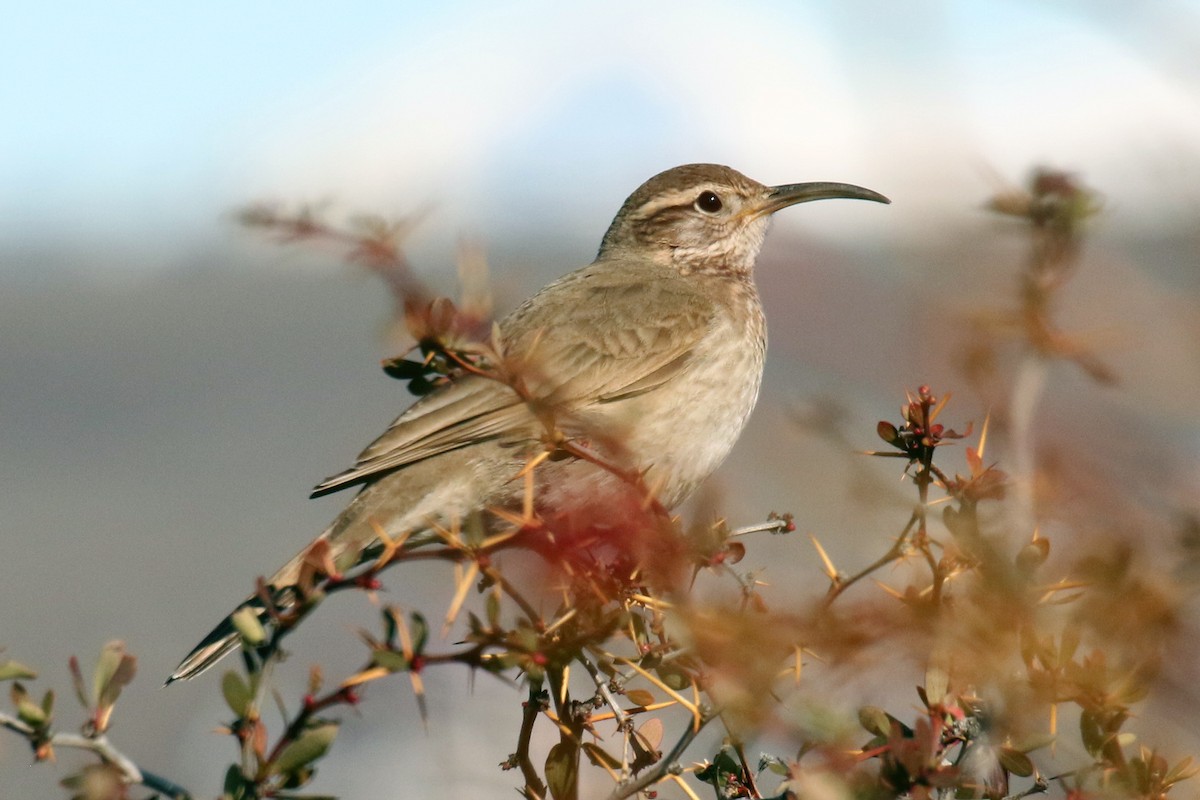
[(598, 335)]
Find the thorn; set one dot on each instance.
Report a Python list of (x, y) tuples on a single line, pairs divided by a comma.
[(693, 708), (390, 546), (464, 581), (830, 570), (983, 435), (889, 590)]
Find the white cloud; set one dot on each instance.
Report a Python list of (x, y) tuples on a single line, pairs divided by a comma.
[(554, 110), (738, 83)]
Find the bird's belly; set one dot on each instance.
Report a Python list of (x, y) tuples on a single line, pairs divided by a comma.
[(682, 430)]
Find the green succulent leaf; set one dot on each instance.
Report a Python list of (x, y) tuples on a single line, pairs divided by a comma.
[(14, 670), (238, 694), (311, 745)]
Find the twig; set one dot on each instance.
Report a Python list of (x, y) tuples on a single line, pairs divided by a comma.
[(780, 525), (342, 695), (533, 783), (100, 745), (602, 687), (740, 749), (165, 786), (669, 763), (894, 553), (506, 586), (1029, 387), (15, 725)]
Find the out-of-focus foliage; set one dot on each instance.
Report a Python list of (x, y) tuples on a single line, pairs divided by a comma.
[(1035, 653)]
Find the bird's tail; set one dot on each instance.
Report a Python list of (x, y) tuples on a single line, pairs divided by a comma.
[(220, 642), (224, 639)]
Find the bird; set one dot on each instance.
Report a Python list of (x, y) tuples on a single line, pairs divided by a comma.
[(652, 355)]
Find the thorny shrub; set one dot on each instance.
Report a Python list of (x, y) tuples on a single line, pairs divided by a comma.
[(1032, 665)]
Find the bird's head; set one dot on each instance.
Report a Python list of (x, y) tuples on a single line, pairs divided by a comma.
[(707, 217)]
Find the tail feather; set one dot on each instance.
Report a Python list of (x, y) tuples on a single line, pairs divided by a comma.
[(224, 639), (346, 533), (220, 642)]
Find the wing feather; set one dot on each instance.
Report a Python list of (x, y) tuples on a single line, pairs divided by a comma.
[(627, 333)]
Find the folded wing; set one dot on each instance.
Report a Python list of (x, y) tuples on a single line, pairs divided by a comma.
[(566, 366)]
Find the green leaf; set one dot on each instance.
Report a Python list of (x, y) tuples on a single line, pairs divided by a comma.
[(77, 682), (727, 760), (420, 632), (249, 626), (106, 669), (28, 711), (707, 774), (673, 677), (639, 631), (13, 670), (31, 713), (389, 660), (235, 784), (311, 745), (404, 370), (774, 764), (875, 720), (390, 625), (1091, 732), (115, 669), (95, 781), (238, 695), (297, 778), (724, 765), (562, 770), (492, 606)]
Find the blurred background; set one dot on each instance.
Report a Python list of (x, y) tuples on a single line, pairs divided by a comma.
[(171, 384)]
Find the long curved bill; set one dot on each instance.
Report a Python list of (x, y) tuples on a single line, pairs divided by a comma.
[(792, 193)]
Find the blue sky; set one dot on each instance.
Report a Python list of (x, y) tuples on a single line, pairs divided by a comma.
[(129, 116), (125, 97)]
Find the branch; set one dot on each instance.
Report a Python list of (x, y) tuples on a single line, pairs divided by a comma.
[(102, 747), (533, 782), (667, 764), (894, 553), (602, 687)]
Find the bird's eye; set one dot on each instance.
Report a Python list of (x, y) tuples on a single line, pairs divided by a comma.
[(708, 202)]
